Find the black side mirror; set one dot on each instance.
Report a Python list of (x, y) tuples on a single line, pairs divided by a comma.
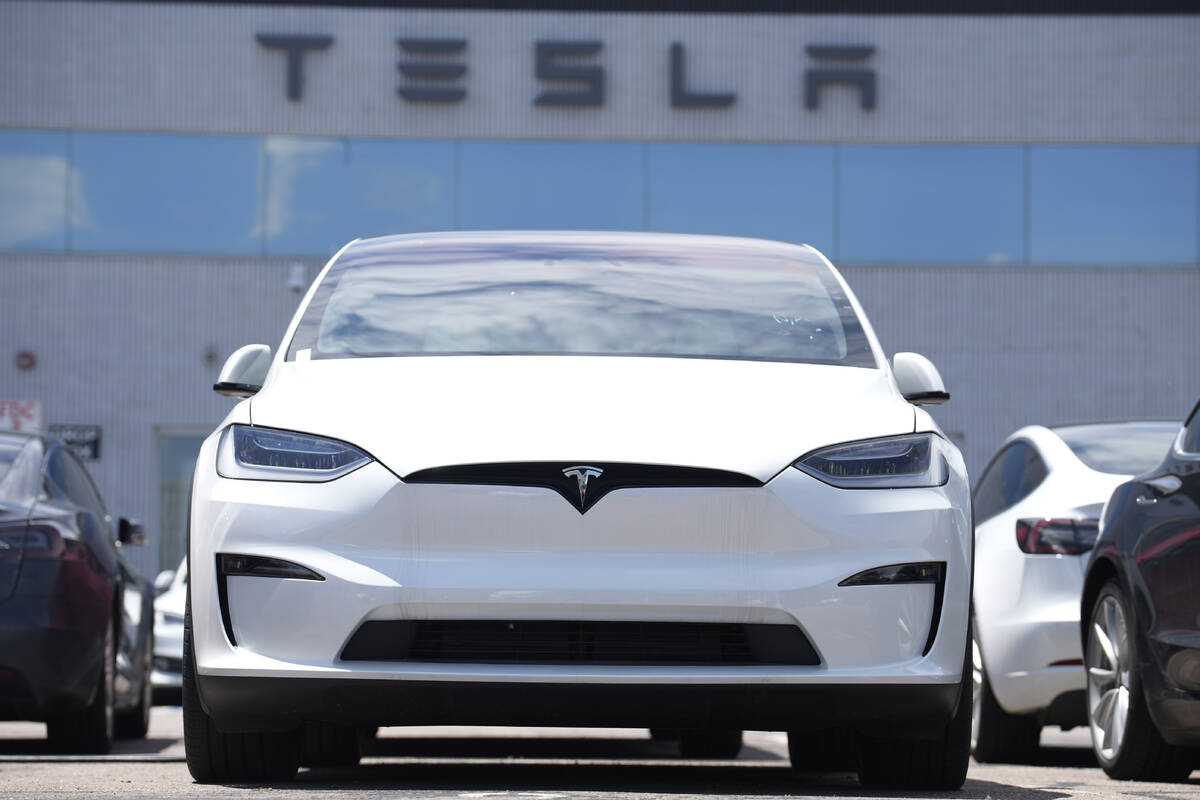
[(130, 531)]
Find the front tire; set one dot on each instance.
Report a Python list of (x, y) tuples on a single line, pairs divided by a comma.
[(1124, 738), (216, 757), (135, 723), (996, 735), (936, 763), (91, 730)]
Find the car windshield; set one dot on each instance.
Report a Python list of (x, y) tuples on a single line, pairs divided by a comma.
[(1127, 448), (635, 297)]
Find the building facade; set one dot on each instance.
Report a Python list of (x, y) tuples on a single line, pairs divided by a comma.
[(1015, 196)]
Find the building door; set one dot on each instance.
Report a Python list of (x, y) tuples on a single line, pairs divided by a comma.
[(177, 451)]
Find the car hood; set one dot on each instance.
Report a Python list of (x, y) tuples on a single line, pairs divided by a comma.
[(414, 413)]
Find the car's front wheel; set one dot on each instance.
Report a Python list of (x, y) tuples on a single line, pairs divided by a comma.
[(922, 763), (216, 757), (996, 735), (91, 730), (1124, 738), (135, 723)]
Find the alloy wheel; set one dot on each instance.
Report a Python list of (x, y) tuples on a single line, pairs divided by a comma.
[(1108, 677)]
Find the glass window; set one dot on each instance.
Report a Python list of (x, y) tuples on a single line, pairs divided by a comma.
[(177, 454), (1113, 205), (551, 185), (35, 181), (583, 294), (1023, 471), (73, 480), (772, 191), (321, 193), (1127, 448), (167, 193), (989, 489), (924, 203), (1190, 441)]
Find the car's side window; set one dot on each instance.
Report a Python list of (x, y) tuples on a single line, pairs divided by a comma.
[(1033, 472), (1013, 474), (74, 481), (989, 490), (1190, 443)]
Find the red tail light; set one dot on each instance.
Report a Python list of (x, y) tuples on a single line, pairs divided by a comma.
[(1070, 537), (38, 540)]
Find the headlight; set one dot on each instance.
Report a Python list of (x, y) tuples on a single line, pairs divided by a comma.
[(893, 463), (265, 454)]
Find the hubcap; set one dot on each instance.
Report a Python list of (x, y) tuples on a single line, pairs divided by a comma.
[(1108, 678)]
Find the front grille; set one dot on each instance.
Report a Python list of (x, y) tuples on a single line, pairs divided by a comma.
[(571, 642)]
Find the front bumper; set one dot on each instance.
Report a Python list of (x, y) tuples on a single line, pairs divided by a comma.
[(393, 551), (240, 703)]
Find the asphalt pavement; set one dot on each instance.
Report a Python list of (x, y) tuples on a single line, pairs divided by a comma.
[(531, 764)]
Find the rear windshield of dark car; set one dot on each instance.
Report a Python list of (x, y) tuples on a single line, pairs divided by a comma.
[(574, 299), (1127, 448)]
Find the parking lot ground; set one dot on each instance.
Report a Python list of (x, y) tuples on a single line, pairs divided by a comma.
[(532, 764)]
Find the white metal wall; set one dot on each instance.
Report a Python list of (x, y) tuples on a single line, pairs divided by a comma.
[(175, 67)]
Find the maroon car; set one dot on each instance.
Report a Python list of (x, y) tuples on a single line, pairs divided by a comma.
[(76, 618)]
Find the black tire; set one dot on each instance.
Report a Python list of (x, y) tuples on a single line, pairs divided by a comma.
[(998, 737), (216, 757), (822, 751), (1141, 754), (710, 743), (324, 744), (91, 730), (135, 723), (936, 763)]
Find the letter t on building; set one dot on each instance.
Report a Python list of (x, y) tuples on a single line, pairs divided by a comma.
[(294, 46)]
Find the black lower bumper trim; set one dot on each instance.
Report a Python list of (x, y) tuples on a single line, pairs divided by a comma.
[(261, 704)]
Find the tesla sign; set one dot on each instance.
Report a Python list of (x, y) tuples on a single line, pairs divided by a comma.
[(572, 72)]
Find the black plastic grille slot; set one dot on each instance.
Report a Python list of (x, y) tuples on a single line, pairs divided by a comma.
[(575, 642)]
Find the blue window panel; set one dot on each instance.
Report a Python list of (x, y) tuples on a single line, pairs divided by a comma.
[(552, 185), (167, 193), (772, 191), (321, 193), (35, 190), (1113, 204), (931, 203)]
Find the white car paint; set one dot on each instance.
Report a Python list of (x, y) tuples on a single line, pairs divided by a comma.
[(1027, 605), (168, 631), (395, 550)]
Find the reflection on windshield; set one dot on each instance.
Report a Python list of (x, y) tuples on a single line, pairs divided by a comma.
[(581, 300)]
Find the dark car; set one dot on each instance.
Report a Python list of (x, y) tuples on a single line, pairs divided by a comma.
[(76, 618), (1140, 620)]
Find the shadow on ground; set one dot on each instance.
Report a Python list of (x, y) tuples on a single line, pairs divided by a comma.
[(755, 780)]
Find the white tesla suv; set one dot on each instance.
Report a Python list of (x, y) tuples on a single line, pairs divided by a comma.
[(1037, 514), (582, 479)]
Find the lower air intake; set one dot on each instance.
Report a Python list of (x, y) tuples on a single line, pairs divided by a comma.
[(554, 642)]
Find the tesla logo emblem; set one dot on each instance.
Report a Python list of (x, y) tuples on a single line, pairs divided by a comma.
[(582, 475)]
